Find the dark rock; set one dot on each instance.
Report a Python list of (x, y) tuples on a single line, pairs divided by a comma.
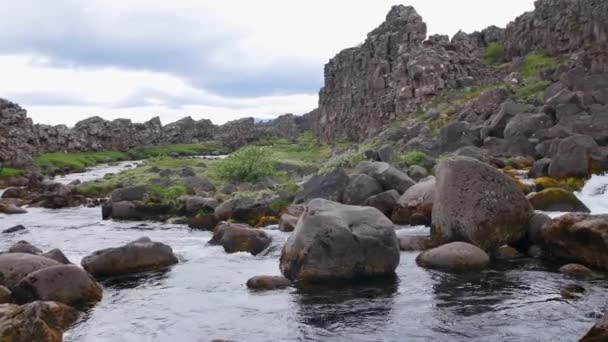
[(526, 125), (228, 189), (24, 247), (454, 257), (507, 253), (515, 146), (458, 134), (132, 193), (57, 255), (195, 204), (288, 223), (265, 283), (535, 226), (599, 332), (414, 243), (417, 172), (501, 211), (556, 199), (540, 168), (573, 157), (138, 256), (38, 321), (340, 242), (385, 202), (577, 271), (498, 122), (15, 266), (6, 296), (14, 229), (187, 172), (240, 238), (242, 209), (385, 153), (359, 188), (578, 237), (418, 199), (204, 222), (198, 184), (329, 186), (388, 176), (66, 284)]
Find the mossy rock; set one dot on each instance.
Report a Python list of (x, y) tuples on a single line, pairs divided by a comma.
[(572, 184), (556, 199), (267, 221)]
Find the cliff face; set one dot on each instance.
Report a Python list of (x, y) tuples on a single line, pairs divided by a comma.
[(391, 74), (395, 72), (17, 139)]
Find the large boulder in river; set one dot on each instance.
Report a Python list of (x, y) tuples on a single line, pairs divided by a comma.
[(454, 257), (329, 186), (385, 201), (67, 284), (240, 238), (38, 321), (556, 199), (15, 266), (336, 241), (478, 204), (578, 237), (359, 188), (137, 256), (416, 200), (264, 283), (387, 175)]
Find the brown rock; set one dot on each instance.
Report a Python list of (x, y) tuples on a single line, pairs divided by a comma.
[(240, 238), (268, 283)]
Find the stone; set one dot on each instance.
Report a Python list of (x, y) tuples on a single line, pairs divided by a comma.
[(265, 283), (526, 125), (132, 193), (38, 321), (67, 284), (198, 184), (359, 188), (458, 134), (203, 221), (195, 204), (329, 186), (385, 153), (578, 237), (57, 255), (287, 223), (385, 202), (418, 199), (11, 209), (454, 257), (498, 122), (556, 199), (243, 209), (387, 175), (24, 247), (337, 241), (478, 204), (228, 189), (573, 157), (15, 266), (137, 256), (417, 172), (507, 253), (187, 172), (6, 296), (540, 168), (535, 226), (14, 229), (572, 291), (577, 271), (240, 238), (599, 332)]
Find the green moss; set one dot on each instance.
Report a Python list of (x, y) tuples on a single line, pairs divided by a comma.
[(417, 158), (532, 89), (494, 54), (571, 184), (6, 172), (96, 189), (169, 194), (536, 62)]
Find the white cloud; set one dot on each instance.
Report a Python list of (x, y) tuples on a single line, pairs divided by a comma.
[(69, 59)]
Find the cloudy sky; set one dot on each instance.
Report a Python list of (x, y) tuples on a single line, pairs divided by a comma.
[(65, 60)]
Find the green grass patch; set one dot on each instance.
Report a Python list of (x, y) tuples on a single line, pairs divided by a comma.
[(417, 158), (79, 161), (532, 88), (6, 172), (169, 194), (183, 150), (494, 54), (96, 189), (536, 62)]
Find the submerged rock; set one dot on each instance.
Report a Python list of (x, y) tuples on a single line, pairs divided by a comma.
[(67, 284), (336, 241), (599, 332), (38, 321), (268, 283), (577, 271), (240, 238), (454, 257), (14, 229), (137, 256), (478, 204)]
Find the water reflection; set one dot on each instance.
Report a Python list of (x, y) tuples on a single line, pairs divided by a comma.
[(153, 278), (364, 305)]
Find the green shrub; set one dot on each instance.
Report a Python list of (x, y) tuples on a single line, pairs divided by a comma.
[(95, 190), (494, 54), (249, 164), (10, 172), (170, 194), (278, 205), (535, 63)]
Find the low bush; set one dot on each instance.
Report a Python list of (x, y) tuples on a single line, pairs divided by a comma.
[(249, 164), (494, 54)]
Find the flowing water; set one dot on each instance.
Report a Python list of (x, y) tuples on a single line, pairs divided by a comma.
[(204, 297)]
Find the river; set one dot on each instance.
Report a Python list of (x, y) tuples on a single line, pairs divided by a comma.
[(204, 297)]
